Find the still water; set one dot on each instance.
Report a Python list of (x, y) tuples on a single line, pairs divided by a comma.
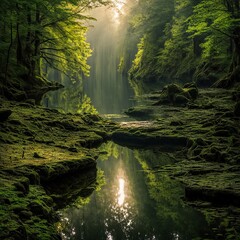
[(132, 202)]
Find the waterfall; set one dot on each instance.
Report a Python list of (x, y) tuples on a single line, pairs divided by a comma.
[(108, 89)]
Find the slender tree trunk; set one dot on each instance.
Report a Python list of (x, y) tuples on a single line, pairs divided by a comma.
[(233, 7), (9, 51), (19, 47), (28, 47), (19, 43), (196, 46), (237, 5), (36, 60)]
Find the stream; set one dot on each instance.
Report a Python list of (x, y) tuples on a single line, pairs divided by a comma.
[(129, 201)]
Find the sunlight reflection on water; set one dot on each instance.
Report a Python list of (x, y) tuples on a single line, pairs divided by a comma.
[(121, 193), (132, 203)]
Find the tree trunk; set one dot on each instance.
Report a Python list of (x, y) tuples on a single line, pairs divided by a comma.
[(36, 59), (197, 40), (19, 51), (19, 47), (28, 47), (8, 53)]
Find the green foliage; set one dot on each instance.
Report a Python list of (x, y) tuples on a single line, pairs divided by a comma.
[(210, 16), (40, 34), (86, 106), (211, 19), (178, 40)]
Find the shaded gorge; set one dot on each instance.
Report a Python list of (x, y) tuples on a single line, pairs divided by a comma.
[(132, 202), (108, 89)]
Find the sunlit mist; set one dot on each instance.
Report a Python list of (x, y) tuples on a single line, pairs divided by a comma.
[(118, 10), (121, 193)]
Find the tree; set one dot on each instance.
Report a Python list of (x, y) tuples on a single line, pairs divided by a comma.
[(38, 33), (175, 59), (149, 21), (218, 22)]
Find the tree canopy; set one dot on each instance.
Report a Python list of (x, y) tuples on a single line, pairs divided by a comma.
[(181, 40), (39, 33)]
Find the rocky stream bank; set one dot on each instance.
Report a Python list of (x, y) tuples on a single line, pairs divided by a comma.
[(47, 159), (203, 136)]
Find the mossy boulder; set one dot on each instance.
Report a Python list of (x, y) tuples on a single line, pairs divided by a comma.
[(139, 111), (176, 95), (180, 99), (142, 140), (193, 92), (172, 90)]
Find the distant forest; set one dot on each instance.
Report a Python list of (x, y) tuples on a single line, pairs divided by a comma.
[(164, 41), (37, 36), (183, 40)]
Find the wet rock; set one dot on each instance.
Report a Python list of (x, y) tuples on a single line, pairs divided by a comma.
[(220, 196), (67, 189), (4, 115), (140, 111), (176, 95), (54, 171), (144, 140)]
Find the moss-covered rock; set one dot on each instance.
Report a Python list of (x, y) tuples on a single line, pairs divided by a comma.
[(208, 165), (180, 100), (193, 92), (39, 146), (176, 95), (147, 139), (139, 112)]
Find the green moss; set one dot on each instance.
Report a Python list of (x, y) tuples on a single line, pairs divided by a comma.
[(26, 210)]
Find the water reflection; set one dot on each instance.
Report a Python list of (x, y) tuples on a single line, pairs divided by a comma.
[(121, 193), (134, 203)]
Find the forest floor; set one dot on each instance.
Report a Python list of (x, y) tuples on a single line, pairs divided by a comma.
[(204, 139), (47, 159)]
